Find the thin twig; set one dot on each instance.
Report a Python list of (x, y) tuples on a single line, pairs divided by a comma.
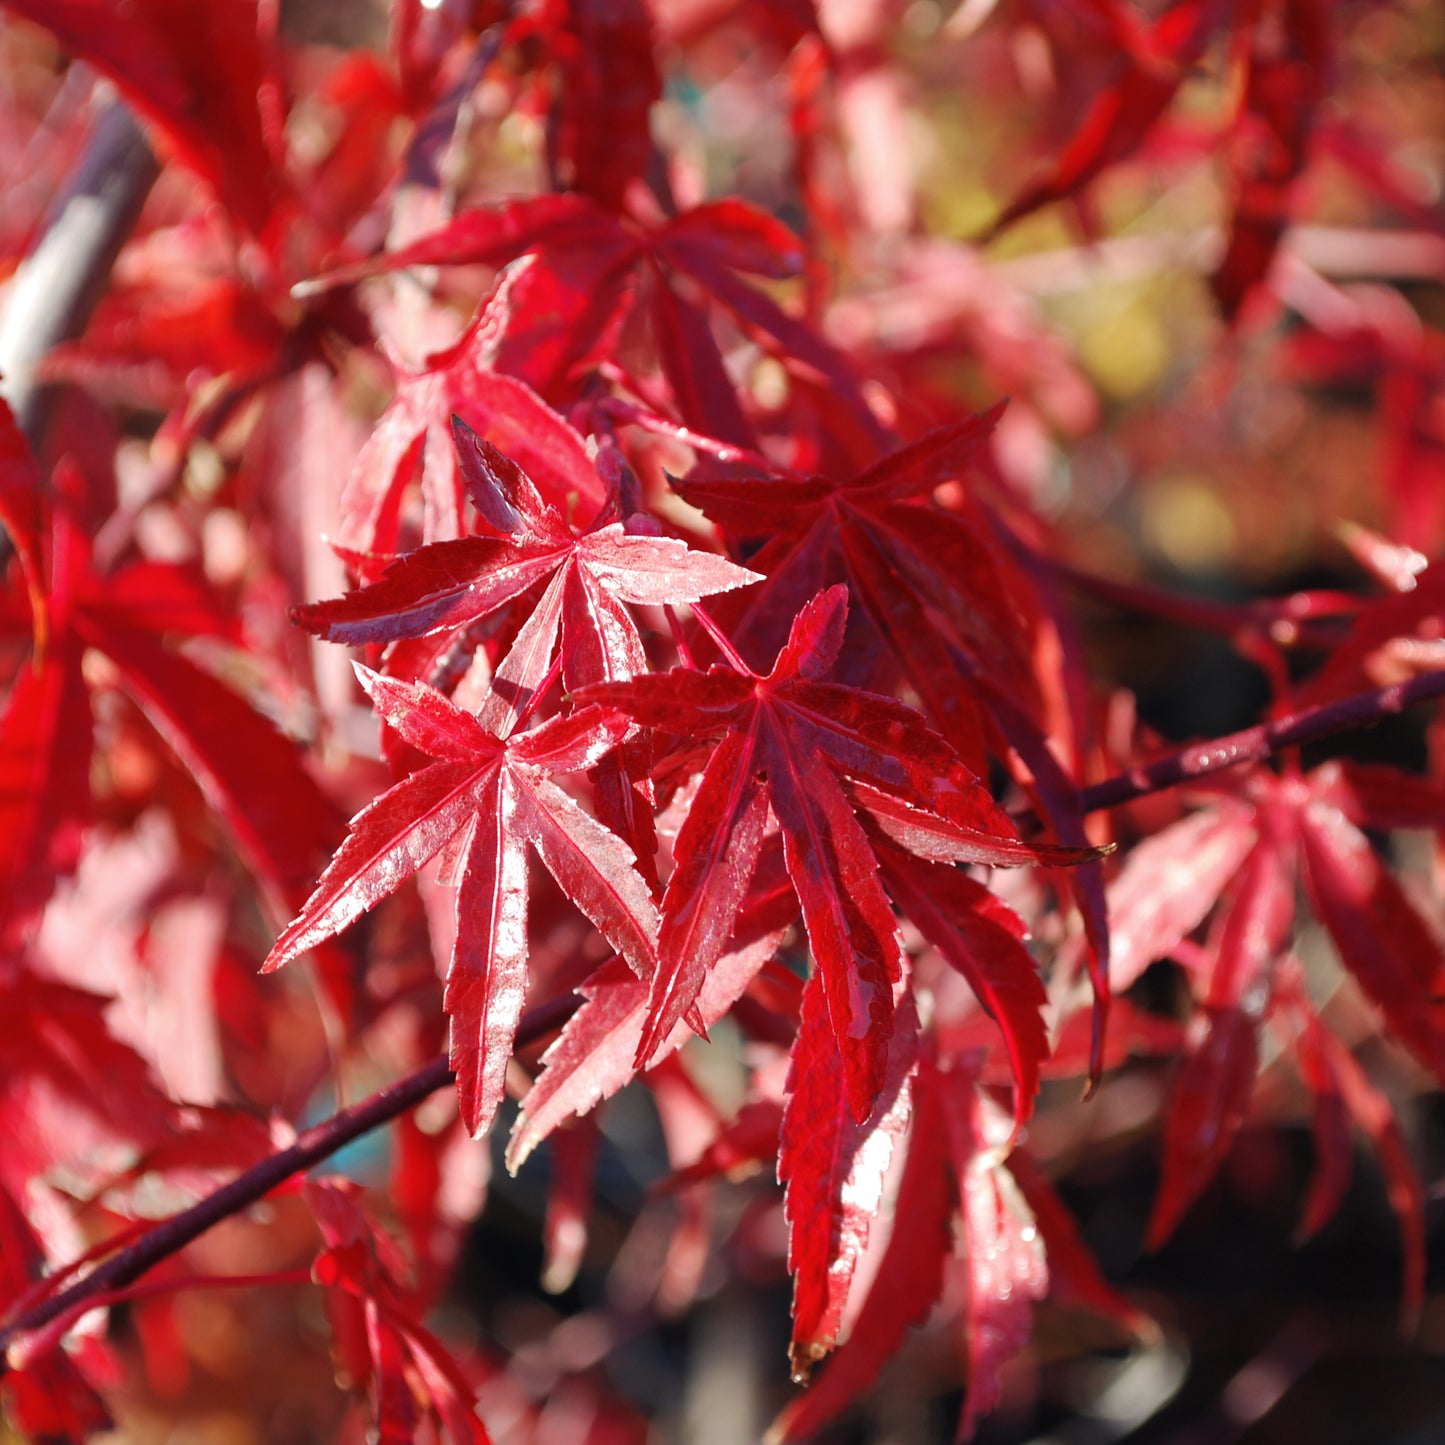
[(317, 1143), (1252, 745)]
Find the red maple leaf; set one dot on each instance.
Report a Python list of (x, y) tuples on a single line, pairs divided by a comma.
[(789, 741), (956, 1184), (586, 575), (590, 270), (487, 797), (416, 432), (1239, 861)]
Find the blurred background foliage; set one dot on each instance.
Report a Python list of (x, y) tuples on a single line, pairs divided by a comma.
[(1159, 443)]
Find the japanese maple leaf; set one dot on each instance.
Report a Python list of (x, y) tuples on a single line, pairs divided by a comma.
[(937, 587), (592, 270), (588, 575), (1239, 862), (958, 1210), (487, 796), (416, 431), (934, 583), (789, 741)]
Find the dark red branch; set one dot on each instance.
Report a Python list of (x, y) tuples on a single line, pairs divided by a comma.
[(315, 1144), (1252, 745)]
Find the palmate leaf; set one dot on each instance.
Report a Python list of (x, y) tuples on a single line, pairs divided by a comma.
[(1308, 829), (791, 741), (909, 1279), (588, 270), (495, 796), (589, 576), (958, 1209), (918, 571), (416, 430), (946, 603)]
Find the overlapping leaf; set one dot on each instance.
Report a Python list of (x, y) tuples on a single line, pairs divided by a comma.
[(590, 269), (587, 577), (945, 601), (1309, 826), (489, 797), (909, 1279), (1006, 1230), (790, 741), (415, 433), (931, 581)]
